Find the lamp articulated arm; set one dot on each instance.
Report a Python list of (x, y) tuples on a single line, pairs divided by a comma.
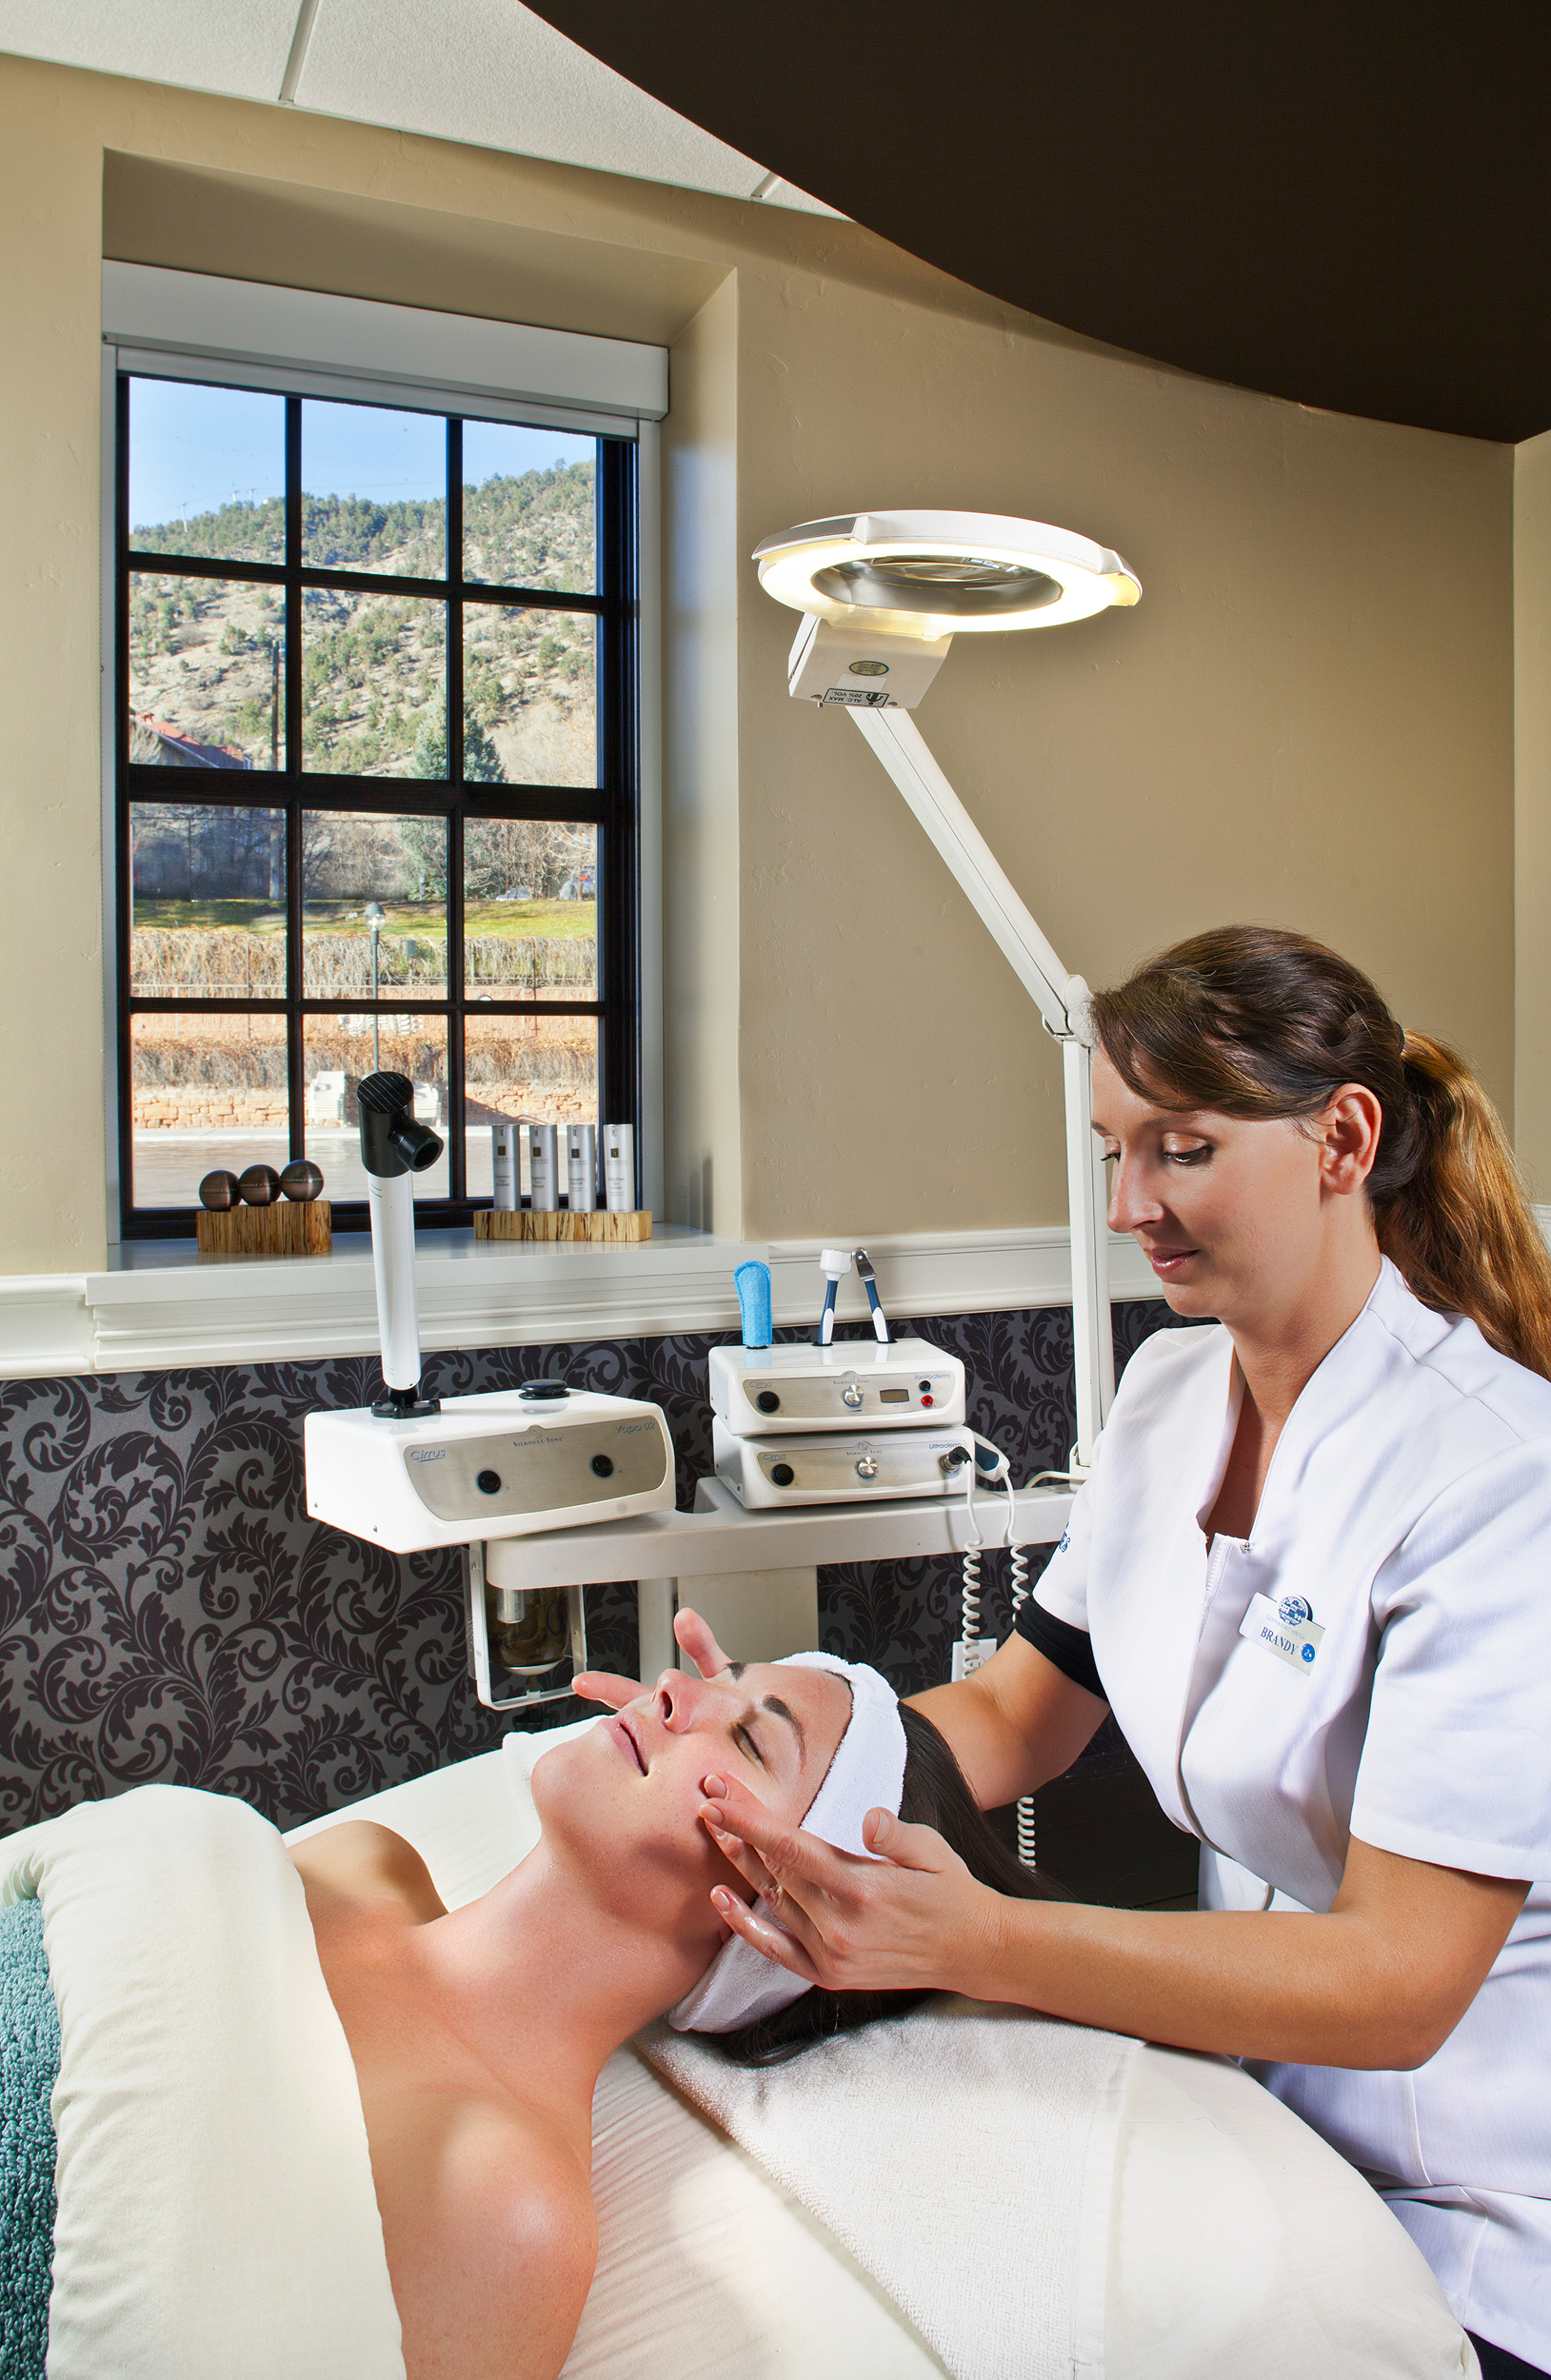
[(1063, 1002)]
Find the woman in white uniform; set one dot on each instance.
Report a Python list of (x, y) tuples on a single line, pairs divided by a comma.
[(1311, 1577)]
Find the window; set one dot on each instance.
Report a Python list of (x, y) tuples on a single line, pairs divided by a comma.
[(376, 798)]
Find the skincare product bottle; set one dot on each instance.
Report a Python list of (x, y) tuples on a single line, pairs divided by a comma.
[(582, 1167), (543, 1168), (619, 1168), (503, 1167)]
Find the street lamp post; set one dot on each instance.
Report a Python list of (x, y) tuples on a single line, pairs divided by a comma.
[(376, 916)]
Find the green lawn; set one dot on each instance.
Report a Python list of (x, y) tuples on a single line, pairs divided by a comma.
[(252, 917), (427, 917)]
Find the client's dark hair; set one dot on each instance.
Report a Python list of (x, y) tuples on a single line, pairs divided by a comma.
[(936, 1795)]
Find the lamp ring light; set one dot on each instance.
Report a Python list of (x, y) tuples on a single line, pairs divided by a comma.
[(936, 574)]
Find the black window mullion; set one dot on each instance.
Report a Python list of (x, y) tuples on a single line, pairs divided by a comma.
[(124, 847), (457, 1142), (295, 1049), (619, 1071)]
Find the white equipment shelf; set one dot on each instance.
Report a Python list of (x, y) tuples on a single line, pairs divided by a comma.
[(719, 1537)]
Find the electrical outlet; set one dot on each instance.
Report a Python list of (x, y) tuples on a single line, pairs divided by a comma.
[(971, 1656)]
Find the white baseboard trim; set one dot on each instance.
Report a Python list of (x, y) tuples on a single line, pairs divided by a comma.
[(162, 1308)]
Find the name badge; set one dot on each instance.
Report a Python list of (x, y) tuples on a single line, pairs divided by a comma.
[(1285, 1629)]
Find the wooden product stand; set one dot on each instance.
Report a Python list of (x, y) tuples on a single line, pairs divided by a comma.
[(290, 1227), (523, 1222)]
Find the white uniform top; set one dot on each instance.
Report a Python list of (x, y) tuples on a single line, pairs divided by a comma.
[(1408, 1505)]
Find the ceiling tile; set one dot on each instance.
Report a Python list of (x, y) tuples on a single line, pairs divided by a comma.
[(236, 45), (492, 73)]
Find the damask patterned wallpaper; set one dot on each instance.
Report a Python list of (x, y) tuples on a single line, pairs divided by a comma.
[(170, 1614)]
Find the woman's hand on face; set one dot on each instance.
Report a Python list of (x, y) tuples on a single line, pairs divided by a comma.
[(912, 1919), (693, 1637)]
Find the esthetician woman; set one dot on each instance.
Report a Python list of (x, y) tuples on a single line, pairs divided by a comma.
[(1311, 1577)]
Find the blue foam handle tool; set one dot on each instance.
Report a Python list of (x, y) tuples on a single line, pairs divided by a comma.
[(752, 1281)]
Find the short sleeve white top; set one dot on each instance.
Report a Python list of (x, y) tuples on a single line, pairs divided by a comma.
[(1408, 1506)]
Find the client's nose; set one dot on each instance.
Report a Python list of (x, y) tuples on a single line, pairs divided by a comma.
[(676, 1697)]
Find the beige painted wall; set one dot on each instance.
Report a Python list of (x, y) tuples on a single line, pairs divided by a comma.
[(1309, 719), (1532, 808)]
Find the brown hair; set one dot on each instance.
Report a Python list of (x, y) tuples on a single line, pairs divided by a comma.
[(1253, 1021), (936, 1794)]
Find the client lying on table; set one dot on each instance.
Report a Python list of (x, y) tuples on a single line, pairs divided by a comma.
[(478, 2034)]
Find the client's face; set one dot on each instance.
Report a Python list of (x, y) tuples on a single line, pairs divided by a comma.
[(624, 1796)]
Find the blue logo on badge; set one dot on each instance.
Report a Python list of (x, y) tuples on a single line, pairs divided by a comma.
[(1293, 1611), (1065, 1542), (1308, 1653)]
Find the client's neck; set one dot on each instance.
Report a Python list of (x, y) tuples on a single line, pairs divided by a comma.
[(546, 1981)]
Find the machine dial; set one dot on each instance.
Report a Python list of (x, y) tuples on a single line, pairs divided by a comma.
[(767, 1401), (850, 1395), (866, 1467)]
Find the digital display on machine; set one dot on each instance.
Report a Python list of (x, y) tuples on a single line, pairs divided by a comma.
[(893, 1396)]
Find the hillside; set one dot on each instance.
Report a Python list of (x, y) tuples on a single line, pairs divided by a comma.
[(202, 651)]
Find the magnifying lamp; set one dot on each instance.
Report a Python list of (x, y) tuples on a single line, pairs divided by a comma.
[(883, 595)]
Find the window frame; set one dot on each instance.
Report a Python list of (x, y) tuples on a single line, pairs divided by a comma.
[(625, 807)]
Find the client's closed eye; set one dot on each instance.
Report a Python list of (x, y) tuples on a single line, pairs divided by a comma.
[(746, 1739)]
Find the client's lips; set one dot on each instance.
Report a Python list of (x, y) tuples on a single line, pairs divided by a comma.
[(625, 1735), (1167, 1260)]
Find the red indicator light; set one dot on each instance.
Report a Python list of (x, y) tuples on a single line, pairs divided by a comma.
[(928, 1401)]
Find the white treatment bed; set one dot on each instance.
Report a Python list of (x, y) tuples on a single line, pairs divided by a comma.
[(1238, 2242)]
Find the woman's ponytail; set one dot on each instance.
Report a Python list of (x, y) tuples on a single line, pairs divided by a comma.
[(1253, 1021), (1461, 1229)]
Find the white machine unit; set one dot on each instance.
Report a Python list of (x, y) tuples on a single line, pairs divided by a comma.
[(763, 1391), (841, 1466), (495, 1466), (411, 1472)]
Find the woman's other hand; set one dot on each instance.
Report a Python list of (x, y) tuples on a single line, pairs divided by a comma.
[(693, 1638), (913, 1918)]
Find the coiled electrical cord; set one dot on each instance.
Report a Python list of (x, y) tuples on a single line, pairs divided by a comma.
[(1025, 1804), (969, 1624)]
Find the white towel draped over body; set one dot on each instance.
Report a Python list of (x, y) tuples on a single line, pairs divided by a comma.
[(216, 2209), (1009, 2119)]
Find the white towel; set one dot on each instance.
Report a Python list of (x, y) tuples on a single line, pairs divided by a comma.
[(216, 2209), (956, 2104)]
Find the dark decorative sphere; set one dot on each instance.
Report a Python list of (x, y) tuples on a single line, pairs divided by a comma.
[(260, 1185), (301, 1180), (219, 1190)]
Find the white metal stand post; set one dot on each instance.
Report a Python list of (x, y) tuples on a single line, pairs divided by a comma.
[(1063, 1002)]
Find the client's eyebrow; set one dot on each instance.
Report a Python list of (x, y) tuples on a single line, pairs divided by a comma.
[(783, 1710)]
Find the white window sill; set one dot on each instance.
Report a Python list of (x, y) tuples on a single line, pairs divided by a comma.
[(159, 1306)]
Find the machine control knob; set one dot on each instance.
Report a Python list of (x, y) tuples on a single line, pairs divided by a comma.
[(850, 1395), (542, 1392), (782, 1474), (866, 1467), (955, 1459), (487, 1482), (767, 1401), (602, 1466)]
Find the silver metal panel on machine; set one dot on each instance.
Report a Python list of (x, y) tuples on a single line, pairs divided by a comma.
[(766, 1391), (484, 1480), (856, 1468)]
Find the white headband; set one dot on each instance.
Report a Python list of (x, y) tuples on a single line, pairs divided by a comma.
[(867, 1773)]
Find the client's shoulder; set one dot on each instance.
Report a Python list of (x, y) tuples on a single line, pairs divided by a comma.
[(366, 1861), (491, 2232)]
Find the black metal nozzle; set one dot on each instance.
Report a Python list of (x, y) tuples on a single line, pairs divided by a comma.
[(391, 1141), (416, 1143)]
